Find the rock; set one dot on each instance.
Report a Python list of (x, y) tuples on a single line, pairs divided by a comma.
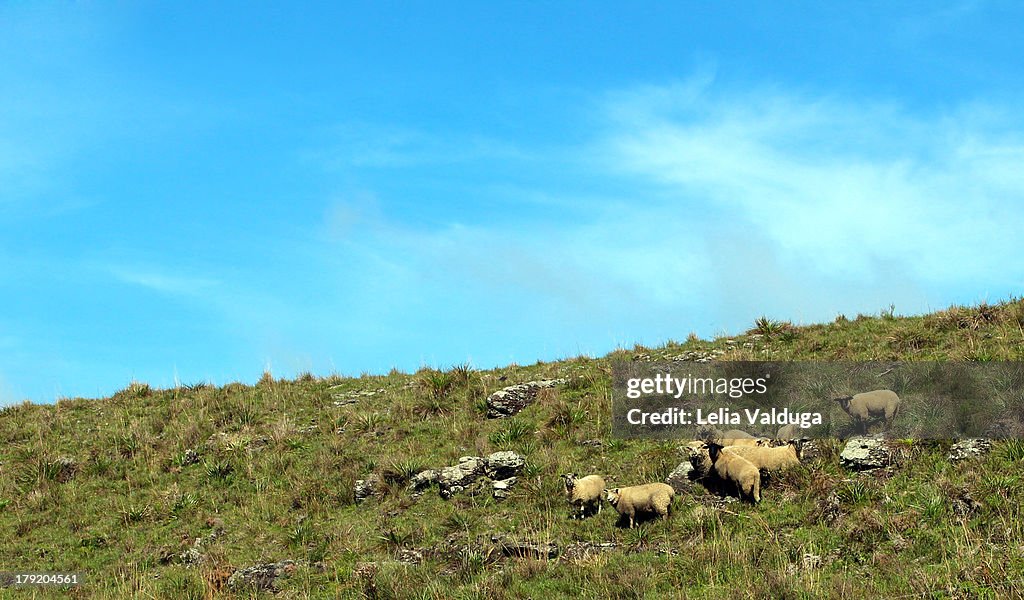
[(502, 465), (423, 480), (509, 401), (525, 548), (964, 505), (453, 480), (364, 488), (592, 443), (410, 556), (502, 487), (578, 551), (699, 356), (679, 478), (969, 448), (260, 577), (189, 457), (829, 509), (63, 469), (866, 452)]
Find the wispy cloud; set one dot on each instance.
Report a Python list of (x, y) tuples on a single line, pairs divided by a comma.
[(837, 187), (161, 281), (738, 203)]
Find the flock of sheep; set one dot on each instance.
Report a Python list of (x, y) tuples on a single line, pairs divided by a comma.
[(733, 456)]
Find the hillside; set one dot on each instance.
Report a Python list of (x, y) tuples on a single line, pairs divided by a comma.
[(166, 493)]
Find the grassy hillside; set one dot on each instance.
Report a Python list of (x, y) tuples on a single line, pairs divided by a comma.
[(122, 488)]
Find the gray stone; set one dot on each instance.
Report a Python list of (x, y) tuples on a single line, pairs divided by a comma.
[(679, 478), (260, 577), (969, 448), (453, 480), (189, 457), (503, 487), (866, 452), (364, 488), (423, 480), (502, 465), (509, 401)]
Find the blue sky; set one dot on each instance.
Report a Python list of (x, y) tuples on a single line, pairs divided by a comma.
[(192, 192)]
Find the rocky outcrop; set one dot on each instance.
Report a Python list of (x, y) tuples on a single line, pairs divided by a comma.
[(364, 488), (455, 479), (472, 474), (502, 465), (423, 480), (866, 452), (509, 401), (260, 577), (969, 448)]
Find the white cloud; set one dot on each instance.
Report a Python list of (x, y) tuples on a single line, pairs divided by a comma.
[(739, 204), (834, 185), (160, 281)]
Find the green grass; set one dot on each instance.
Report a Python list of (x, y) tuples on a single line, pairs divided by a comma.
[(119, 488)]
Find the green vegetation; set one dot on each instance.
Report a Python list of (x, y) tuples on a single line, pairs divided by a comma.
[(122, 488)]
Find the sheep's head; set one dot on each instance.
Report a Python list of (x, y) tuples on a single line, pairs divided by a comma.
[(570, 482), (844, 402), (798, 447), (714, 448), (612, 496)]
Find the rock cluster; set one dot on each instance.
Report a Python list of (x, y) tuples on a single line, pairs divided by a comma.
[(260, 577), (969, 448), (509, 401), (342, 399), (866, 452), (500, 468)]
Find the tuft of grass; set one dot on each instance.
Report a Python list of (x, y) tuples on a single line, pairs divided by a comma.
[(132, 514), (367, 422), (514, 430), (219, 470), (769, 328), (1013, 449), (436, 384)]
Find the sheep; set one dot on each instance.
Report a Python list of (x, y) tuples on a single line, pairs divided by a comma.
[(735, 468), (867, 406), (649, 497), (735, 437), (584, 492), (771, 459)]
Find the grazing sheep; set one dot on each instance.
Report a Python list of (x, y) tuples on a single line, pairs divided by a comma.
[(735, 437), (650, 497), (584, 493), (771, 459), (788, 432), (735, 468), (869, 406)]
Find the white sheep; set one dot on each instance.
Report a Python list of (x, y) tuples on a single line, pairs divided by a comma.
[(584, 493), (732, 467), (649, 497), (867, 406), (771, 459)]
